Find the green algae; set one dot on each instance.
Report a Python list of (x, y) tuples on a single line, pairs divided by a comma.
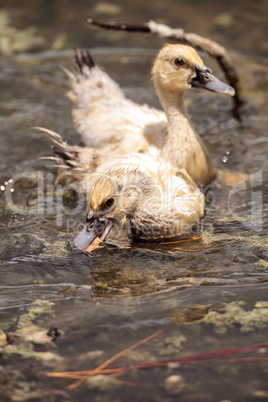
[(171, 345), (28, 334), (233, 314), (14, 40)]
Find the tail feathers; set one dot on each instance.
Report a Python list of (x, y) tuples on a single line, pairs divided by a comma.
[(90, 86), (83, 64)]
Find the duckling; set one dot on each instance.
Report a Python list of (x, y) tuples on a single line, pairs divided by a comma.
[(141, 166), (146, 203), (110, 122)]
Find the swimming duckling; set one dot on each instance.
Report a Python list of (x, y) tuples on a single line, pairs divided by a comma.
[(110, 122), (143, 166), (147, 203)]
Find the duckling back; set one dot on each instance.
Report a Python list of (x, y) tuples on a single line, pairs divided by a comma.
[(106, 119)]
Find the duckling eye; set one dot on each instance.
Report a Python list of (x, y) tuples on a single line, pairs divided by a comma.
[(179, 62), (108, 203)]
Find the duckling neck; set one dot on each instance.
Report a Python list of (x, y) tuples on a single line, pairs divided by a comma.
[(184, 148)]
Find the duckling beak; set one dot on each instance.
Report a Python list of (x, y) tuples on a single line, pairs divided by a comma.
[(94, 227), (205, 80)]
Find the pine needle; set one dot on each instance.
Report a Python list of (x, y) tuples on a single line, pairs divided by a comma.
[(182, 241), (82, 376)]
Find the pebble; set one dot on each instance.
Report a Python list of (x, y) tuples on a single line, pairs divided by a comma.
[(92, 355), (260, 394), (174, 384), (224, 20), (101, 383), (3, 338), (107, 8)]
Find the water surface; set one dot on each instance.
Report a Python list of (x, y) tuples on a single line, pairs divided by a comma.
[(206, 294)]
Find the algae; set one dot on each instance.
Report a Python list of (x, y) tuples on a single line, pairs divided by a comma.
[(28, 334), (234, 314)]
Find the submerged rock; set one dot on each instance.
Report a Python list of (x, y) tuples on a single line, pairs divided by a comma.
[(174, 384), (101, 383)]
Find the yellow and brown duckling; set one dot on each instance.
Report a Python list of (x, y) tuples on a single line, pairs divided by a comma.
[(142, 166)]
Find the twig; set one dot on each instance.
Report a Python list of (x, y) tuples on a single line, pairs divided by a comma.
[(206, 45), (214, 356), (113, 358), (203, 357), (184, 240)]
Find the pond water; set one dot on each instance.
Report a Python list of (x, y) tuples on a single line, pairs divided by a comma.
[(206, 295)]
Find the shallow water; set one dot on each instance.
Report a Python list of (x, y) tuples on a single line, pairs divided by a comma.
[(205, 294)]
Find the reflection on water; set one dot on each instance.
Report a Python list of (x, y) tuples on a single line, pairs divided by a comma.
[(206, 293)]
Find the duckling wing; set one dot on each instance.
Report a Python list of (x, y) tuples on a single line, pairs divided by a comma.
[(172, 214), (106, 119)]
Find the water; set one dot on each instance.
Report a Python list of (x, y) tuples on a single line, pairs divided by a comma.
[(205, 295)]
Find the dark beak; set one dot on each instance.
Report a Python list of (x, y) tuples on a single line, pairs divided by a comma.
[(205, 80), (94, 227)]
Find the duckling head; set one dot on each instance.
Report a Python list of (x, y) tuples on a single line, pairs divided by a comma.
[(114, 200), (179, 67)]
